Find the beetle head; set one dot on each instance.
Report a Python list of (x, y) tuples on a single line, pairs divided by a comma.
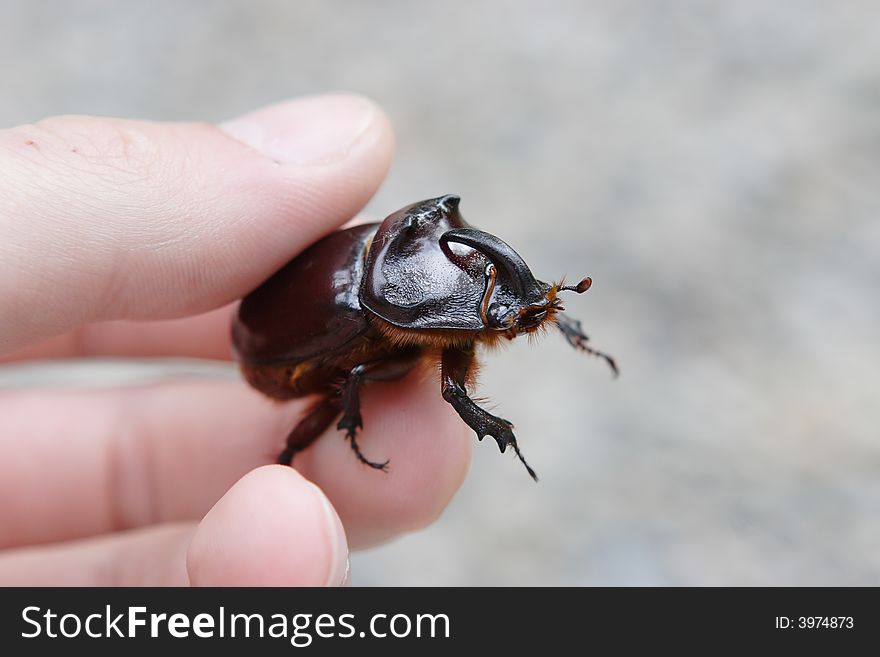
[(514, 300), (427, 269)]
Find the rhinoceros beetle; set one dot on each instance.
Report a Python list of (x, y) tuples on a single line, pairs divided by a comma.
[(370, 302)]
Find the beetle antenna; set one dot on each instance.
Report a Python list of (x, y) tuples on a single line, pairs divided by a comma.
[(580, 288)]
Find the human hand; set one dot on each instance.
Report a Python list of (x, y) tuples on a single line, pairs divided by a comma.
[(107, 226)]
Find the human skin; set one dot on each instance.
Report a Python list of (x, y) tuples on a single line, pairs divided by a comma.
[(131, 238)]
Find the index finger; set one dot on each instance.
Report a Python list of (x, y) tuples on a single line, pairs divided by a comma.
[(106, 219), (200, 336)]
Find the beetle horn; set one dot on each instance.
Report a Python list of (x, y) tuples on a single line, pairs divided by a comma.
[(449, 202), (505, 259)]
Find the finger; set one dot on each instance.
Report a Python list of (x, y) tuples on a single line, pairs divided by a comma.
[(86, 462), (76, 463), (205, 335), (200, 336), (109, 219), (272, 528), (428, 448), (153, 556)]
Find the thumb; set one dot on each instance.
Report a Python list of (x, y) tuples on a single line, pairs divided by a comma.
[(272, 528), (110, 218)]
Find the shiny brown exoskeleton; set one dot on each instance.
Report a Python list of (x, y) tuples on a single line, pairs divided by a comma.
[(370, 302)]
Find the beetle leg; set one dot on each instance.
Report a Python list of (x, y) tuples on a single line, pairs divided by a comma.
[(387, 369), (571, 329), (313, 424), (454, 371), (351, 419)]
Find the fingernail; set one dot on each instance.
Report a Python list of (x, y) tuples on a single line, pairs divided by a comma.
[(315, 130), (346, 580), (338, 573)]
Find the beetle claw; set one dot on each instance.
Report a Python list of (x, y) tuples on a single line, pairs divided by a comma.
[(363, 459), (571, 329), (504, 437), (504, 434), (510, 439), (529, 469), (351, 423)]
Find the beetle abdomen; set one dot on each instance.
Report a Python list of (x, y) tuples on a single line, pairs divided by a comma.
[(310, 307), (286, 381)]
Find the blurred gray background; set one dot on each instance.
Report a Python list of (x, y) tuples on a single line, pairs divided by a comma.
[(713, 166)]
